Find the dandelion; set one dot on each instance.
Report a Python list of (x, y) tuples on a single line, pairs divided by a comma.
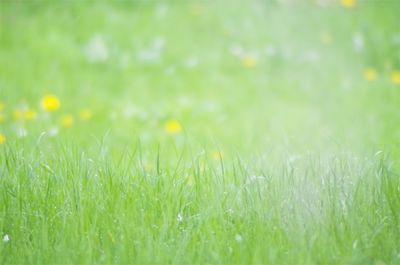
[(396, 77), (18, 114), (6, 238), (2, 138), (67, 120), (370, 74), (24, 114), (29, 114), (217, 155), (50, 103), (85, 115), (349, 3), (249, 62), (173, 127)]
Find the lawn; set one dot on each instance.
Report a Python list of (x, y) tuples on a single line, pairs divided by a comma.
[(200, 132)]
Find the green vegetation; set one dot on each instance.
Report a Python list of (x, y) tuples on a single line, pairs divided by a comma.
[(209, 132)]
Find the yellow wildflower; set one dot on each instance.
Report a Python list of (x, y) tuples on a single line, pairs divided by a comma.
[(249, 62), (30, 114), (217, 155), (18, 114), (24, 114), (50, 103), (85, 114), (349, 3), (2, 138), (67, 120), (173, 127), (396, 77), (370, 74)]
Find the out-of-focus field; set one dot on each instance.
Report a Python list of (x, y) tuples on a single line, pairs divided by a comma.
[(199, 132)]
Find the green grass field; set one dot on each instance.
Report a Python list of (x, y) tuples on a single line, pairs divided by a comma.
[(200, 132)]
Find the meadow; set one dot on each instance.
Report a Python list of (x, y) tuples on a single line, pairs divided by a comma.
[(200, 132)]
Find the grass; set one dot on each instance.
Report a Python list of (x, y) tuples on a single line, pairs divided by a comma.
[(67, 207), (216, 132)]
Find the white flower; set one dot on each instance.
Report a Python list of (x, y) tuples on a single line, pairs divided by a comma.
[(96, 50), (6, 238), (152, 54), (53, 131), (238, 238), (236, 49), (358, 42), (255, 178), (179, 218), (149, 56), (191, 62)]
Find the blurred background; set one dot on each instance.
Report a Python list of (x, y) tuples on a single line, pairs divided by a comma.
[(244, 77)]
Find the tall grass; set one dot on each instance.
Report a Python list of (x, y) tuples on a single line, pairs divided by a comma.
[(70, 207)]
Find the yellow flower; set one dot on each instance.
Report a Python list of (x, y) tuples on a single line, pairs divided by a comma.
[(24, 114), (2, 118), (67, 120), (50, 103), (396, 77), (18, 114), (249, 62), (349, 3), (2, 138), (30, 114), (85, 114), (217, 155), (173, 127), (2, 105), (370, 74)]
